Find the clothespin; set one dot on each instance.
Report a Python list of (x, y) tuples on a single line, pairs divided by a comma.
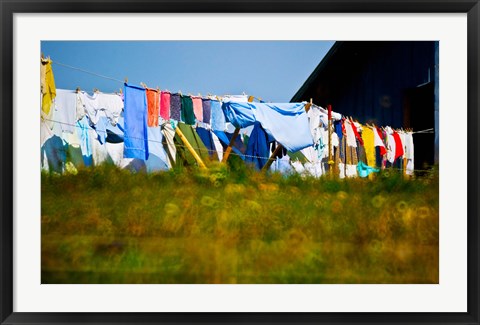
[(158, 89), (308, 105), (121, 91), (126, 80), (199, 95), (95, 90), (251, 98), (43, 56), (144, 85), (77, 90), (180, 92)]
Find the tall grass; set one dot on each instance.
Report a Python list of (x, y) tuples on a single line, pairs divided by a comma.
[(235, 225)]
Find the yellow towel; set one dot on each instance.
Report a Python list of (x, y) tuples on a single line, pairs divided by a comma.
[(368, 142)]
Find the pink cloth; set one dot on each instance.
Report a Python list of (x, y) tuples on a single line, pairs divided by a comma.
[(198, 108), (165, 105)]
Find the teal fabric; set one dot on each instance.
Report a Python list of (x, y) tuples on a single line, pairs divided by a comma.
[(365, 170)]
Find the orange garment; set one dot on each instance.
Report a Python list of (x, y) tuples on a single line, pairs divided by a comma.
[(47, 87), (153, 107), (198, 108)]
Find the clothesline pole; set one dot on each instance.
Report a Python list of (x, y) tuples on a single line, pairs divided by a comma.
[(230, 145), (330, 161), (272, 157), (190, 148)]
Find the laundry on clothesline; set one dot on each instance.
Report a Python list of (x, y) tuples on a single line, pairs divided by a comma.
[(153, 130)]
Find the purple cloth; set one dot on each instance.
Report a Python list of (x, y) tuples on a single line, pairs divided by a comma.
[(175, 107), (206, 105)]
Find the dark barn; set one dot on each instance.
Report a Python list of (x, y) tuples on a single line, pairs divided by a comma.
[(383, 82)]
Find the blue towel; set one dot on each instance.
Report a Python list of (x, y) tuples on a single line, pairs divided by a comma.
[(217, 116), (258, 147), (82, 131), (287, 123), (207, 139), (101, 128), (135, 114), (157, 159), (225, 140)]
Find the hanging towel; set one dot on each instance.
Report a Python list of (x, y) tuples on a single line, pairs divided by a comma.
[(187, 114), (175, 107), (355, 131), (168, 141), (100, 128), (207, 139), (390, 145), (351, 140), (206, 108), (398, 145), (198, 108), (258, 152), (91, 105), (369, 145), (136, 137), (218, 117), (85, 142), (66, 109), (287, 123), (225, 140), (184, 157), (157, 158), (112, 105), (153, 103), (48, 89), (165, 105)]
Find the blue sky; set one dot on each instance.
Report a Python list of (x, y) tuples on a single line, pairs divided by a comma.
[(271, 70)]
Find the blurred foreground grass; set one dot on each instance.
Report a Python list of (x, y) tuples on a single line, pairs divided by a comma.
[(106, 225)]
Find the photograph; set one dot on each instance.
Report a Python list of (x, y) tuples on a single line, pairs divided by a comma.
[(235, 162), (239, 161)]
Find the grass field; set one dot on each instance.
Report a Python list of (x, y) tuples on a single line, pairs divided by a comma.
[(233, 225)]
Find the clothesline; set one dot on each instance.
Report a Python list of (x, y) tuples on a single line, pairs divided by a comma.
[(233, 111), (205, 149), (86, 71)]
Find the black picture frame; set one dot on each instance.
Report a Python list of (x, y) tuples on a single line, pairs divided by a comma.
[(9, 8)]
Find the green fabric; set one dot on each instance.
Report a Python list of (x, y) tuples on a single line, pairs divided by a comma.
[(187, 114), (184, 157), (297, 156), (74, 155)]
